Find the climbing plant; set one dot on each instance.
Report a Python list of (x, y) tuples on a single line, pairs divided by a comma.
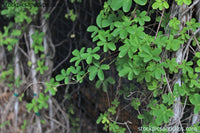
[(164, 58), (34, 54)]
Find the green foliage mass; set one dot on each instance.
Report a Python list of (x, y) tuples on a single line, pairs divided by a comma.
[(13, 32), (121, 27)]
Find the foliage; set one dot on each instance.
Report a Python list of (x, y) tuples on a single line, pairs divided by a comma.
[(23, 127), (160, 4), (37, 42), (106, 119), (41, 67), (180, 2), (20, 14), (122, 28), (40, 103), (20, 18), (3, 124), (194, 99), (51, 86), (11, 36), (105, 83), (142, 57), (71, 15)]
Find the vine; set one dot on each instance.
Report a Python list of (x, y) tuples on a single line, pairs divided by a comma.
[(149, 59), (165, 63)]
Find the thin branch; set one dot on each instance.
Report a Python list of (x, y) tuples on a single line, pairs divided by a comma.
[(168, 86), (60, 43), (123, 123), (57, 122), (188, 43), (63, 61), (23, 52), (197, 42), (163, 11), (190, 7)]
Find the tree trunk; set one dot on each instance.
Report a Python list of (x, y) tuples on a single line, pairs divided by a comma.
[(178, 107), (34, 76)]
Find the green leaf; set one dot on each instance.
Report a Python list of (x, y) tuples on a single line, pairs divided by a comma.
[(51, 86), (186, 66), (198, 62), (98, 84), (75, 52), (111, 46), (166, 5), (95, 49), (59, 77), (96, 56), (92, 72), (135, 103), (46, 16), (99, 119), (74, 59), (72, 69), (99, 20), (123, 34), (169, 99), (160, 4), (35, 109), (110, 80), (180, 2), (116, 4), (106, 23), (100, 74), (174, 23), (194, 99), (141, 117), (123, 50), (130, 75), (66, 80), (197, 69), (79, 56), (89, 59), (148, 76), (29, 106), (153, 85), (16, 33), (92, 28), (127, 5), (124, 71), (105, 67), (197, 54), (136, 71), (141, 18), (172, 65), (173, 44), (102, 36), (116, 32), (162, 114), (141, 2)]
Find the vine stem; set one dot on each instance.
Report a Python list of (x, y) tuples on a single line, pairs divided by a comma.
[(33, 74), (169, 88), (177, 106), (18, 74), (123, 123), (163, 11), (50, 51)]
